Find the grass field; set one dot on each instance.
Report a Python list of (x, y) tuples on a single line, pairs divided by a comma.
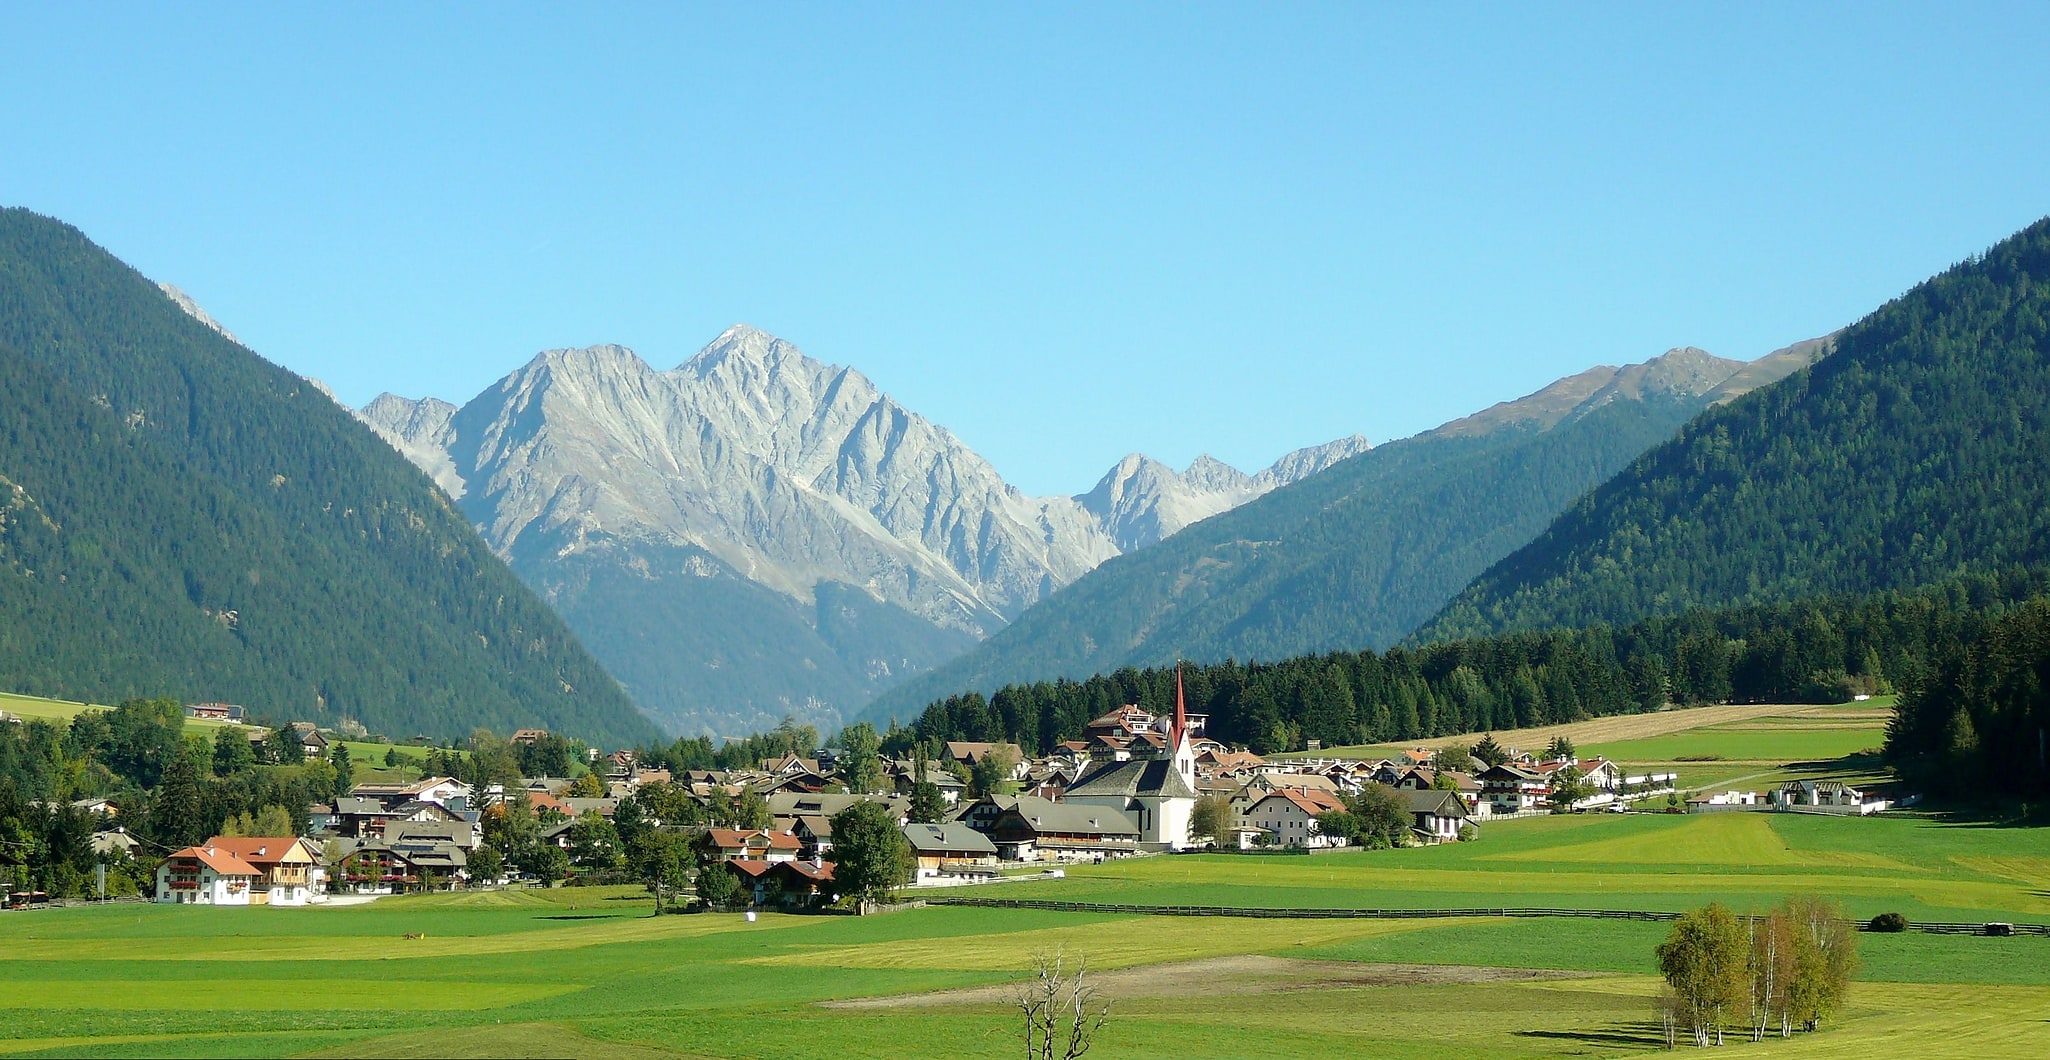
[(368, 757), (587, 972)]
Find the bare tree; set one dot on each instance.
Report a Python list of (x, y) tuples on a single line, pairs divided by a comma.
[(1061, 1010)]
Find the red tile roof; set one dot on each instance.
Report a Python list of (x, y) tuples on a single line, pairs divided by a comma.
[(218, 860), (728, 838), (257, 851)]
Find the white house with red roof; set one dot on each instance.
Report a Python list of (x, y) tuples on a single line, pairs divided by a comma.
[(1290, 816), (205, 875)]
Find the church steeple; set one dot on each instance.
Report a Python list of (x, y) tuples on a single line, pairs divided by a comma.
[(1183, 755)]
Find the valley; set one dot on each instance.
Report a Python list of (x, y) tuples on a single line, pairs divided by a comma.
[(588, 972)]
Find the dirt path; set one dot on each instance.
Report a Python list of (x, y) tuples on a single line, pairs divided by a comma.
[(1223, 976)]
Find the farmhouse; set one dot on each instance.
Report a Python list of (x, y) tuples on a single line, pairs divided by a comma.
[(1290, 816), (311, 743), (214, 712), (203, 875), (379, 866), (1727, 800), (757, 844), (1439, 815), (1514, 789), (284, 865), (786, 883), (1032, 829), (951, 850), (1827, 796)]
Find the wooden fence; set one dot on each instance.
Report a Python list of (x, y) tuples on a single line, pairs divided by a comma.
[(1255, 912)]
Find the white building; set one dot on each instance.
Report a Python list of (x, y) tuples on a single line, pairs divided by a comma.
[(1158, 794), (1290, 816), (205, 876)]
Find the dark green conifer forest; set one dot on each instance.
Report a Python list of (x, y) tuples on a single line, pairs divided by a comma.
[(179, 517), (1917, 452), (1942, 646)]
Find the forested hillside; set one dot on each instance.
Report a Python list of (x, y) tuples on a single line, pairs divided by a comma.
[(1358, 554), (1823, 649), (1919, 450), (180, 517)]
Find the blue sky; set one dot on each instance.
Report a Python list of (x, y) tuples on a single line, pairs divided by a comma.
[(1064, 232)]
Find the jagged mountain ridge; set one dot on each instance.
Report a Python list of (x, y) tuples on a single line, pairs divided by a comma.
[(1358, 555), (855, 540), (1141, 500)]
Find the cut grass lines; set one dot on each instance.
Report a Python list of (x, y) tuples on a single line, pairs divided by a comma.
[(497, 1040), (1733, 840), (233, 994), (1778, 745), (1137, 941), (2029, 871), (572, 935)]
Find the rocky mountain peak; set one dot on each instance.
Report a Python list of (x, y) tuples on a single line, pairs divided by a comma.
[(1206, 472)]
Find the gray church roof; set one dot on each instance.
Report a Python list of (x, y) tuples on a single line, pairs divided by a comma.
[(1148, 777)]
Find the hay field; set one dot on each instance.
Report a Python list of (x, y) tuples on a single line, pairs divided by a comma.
[(588, 972)]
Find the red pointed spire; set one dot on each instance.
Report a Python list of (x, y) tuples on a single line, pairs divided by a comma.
[(1181, 714)]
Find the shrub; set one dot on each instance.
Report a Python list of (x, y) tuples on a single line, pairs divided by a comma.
[(1889, 922)]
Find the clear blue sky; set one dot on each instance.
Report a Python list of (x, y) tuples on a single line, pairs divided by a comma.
[(1064, 232)]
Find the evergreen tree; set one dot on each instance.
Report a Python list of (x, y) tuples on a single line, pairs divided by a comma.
[(177, 811)]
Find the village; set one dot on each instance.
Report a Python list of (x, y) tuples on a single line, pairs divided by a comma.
[(1137, 784)]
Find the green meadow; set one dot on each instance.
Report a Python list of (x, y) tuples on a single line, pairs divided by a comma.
[(579, 971), (591, 972), (368, 757)]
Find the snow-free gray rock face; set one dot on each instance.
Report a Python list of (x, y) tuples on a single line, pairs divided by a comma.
[(1141, 500), (755, 532), (828, 541)]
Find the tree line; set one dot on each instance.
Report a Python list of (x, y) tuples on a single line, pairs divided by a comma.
[(172, 788), (1821, 649)]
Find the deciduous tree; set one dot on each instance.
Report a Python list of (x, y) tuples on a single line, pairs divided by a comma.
[(871, 857), (1705, 960)]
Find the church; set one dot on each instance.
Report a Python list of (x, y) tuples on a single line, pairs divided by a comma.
[(1158, 794)]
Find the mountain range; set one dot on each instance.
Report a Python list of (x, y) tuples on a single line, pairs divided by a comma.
[(756, 533), (179, 517), (1357, 556)]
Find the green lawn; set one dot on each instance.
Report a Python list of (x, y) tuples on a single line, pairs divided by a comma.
[(1748, 742), (367, 757), (589, 973), (1925, 869)]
